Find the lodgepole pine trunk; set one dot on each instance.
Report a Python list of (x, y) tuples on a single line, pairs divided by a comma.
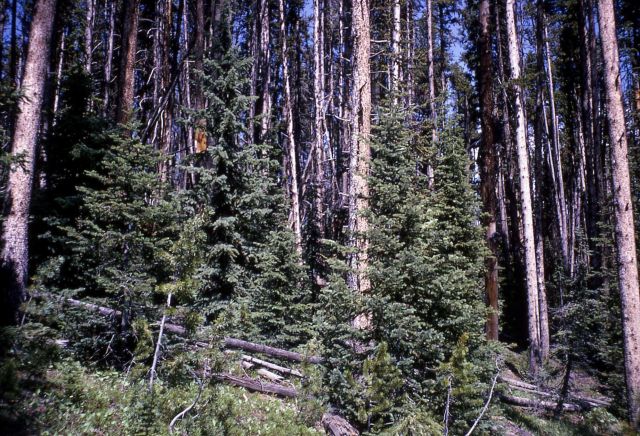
[(319, 98), (15, 237), (395, 52), (360, 153), (291, 143), (488, 169), (528, 240), (624, 225), (127, 61)]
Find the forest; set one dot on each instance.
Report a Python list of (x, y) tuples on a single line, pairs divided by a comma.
[(308, 217)]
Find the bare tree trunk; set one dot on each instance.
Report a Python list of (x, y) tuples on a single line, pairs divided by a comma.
[(488, 170), (432, 86), (556, 163), (265, 69), (127, 61), (110, 10), (525, 194), (291, 143), (88, 36), (360, 153), (410, 32), (319, 99), (624, 225), (538, 180), (200, 135), (395, 52), (15, 237), (162, 81)]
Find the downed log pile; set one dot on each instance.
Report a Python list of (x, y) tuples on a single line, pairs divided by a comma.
[(334, 424), (573, 403)]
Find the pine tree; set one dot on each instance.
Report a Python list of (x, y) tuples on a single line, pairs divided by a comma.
[(249, 252)]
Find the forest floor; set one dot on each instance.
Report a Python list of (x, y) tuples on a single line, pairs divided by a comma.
[(46, 391)]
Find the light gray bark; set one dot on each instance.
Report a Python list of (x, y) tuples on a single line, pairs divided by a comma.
[(292, 158), (528, 241), (624, 225), (15, 252)]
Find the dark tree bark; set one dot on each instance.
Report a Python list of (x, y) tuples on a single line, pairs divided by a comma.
[(488, 168), (128, 50)]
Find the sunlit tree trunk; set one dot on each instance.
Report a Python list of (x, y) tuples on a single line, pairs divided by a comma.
[(319, 103), (360, 153), (624, 225), (15, 237), (528, 239), (291, 143)]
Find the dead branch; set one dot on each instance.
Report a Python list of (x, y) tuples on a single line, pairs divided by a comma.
[(257, 386), (273, 366), (527, 402)]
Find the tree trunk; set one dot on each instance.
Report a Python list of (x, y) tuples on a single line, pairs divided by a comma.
[(528, 239), (88, 36), (432, 84), (110, 11), (624, 225), (15, 250), (488, 169), (360, 153), (395, 52), (127, 61), (319, 99), (291, 143), (264, 57)]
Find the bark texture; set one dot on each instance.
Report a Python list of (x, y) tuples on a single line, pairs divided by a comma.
[(128, 61), (488, 169), (528, 240), (624, 225), (15, 238), (360, 153)]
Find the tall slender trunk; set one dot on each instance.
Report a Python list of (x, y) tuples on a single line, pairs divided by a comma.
[(15, 237), (525, 193), (110, 11), (431, 69), (88, 35), (291, 143), (395, 52), (127, 61), (624, 225), (556, 162), (360, 152), (318, 90), (488, 169), (410, 38), (264, 57)]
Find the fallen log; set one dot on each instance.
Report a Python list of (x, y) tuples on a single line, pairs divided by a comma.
[(271, 351), (528, 402), (257, 385), (585, 402), (270, 375), (273, 366), (336, 425), (181, 331)]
